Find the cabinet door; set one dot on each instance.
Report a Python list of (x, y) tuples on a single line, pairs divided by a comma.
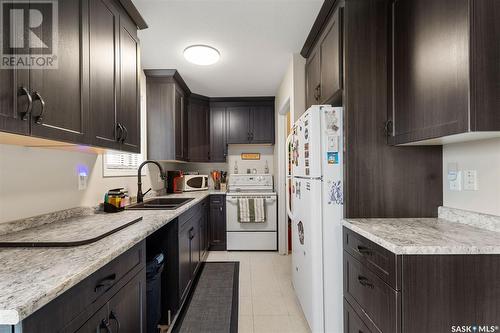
[(104, 58), (97, 323), (218, 141), (198, 135), (179, 122), (128, 114), (127, 308), (331, 55), (14, 101), (184, 259), (15, 95), (217, 226), (262, 124), (312, 80), (431, 69), (238, 124), (60, 94)]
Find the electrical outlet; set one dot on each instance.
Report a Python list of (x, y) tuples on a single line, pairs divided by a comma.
[(470, 180), (82, 180)]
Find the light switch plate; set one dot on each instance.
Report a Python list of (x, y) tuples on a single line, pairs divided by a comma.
[(470, 180), (455, 180)]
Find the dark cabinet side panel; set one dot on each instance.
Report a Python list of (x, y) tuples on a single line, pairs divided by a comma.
[(104, 57)]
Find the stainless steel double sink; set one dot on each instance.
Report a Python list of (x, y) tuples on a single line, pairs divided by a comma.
[(160, 204)]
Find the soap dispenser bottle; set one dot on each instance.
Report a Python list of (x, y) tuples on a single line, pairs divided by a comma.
[(235, 167)]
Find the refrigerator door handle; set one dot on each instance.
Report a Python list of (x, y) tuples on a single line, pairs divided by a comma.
[(288, 178)]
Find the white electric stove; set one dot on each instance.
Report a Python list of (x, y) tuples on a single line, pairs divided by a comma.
[(251, 236)]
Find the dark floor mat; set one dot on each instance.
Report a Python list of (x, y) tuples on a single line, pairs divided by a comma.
[(213, 306)]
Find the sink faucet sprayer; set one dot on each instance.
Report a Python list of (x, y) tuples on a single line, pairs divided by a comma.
[(140, 195)]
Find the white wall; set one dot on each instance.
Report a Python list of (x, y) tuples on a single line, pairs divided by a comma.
[(484, 157), (290, 98), (36, 181)]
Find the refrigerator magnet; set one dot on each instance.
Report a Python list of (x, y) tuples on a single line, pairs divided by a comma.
[(332, 157)]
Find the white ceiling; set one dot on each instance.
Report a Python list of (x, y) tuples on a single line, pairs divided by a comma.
[(255, 38)]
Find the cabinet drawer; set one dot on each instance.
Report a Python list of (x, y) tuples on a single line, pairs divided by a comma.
[(217, 199), (89, 295), (377, 299), (352, 322), (382, 262)]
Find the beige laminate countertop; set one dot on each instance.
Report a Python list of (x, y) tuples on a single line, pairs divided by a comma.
[(32, 277)]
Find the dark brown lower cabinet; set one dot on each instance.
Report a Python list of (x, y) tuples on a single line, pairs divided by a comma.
[(217, 223), (125, 311), (436, 293), (182, 243), (114, 295)]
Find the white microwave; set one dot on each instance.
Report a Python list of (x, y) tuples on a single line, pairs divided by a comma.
[(195, 183)]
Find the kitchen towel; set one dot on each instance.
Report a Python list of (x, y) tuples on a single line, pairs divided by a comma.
[(251, 210)]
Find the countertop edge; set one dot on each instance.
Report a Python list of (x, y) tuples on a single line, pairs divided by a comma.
[(422, 249)]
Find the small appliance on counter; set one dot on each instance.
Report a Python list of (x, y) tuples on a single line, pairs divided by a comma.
[(195, 183), (175, 181)]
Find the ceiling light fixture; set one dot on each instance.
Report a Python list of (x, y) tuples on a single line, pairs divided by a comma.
[(203, 55)]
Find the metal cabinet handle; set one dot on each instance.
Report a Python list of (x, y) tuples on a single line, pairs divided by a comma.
[(119, 132), (23, 91), (38, 97), (105, 324), (364, 250), (125, 133), (112, 316), (105, 283), (365, 282), (191, 235)]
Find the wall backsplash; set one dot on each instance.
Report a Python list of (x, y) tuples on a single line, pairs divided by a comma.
[(266, 154), (484, 157)]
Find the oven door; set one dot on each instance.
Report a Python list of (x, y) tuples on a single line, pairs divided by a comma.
[(232, 214)]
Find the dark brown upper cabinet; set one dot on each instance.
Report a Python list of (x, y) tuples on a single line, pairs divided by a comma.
[(90, 96), (114, 78), (446, 73), (218, 137), (167, 96), (324, 79), (250, 120), (199, 133), (51, 102)]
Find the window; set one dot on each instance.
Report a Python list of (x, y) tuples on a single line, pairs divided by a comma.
[(121, 164)]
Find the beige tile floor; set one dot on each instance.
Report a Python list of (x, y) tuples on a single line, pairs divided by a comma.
[(267, 300)]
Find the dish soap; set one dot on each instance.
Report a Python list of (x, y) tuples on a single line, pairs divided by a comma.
[(235, 167), (266, 169)]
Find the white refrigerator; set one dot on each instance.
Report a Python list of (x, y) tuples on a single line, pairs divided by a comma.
[(315, 207)]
